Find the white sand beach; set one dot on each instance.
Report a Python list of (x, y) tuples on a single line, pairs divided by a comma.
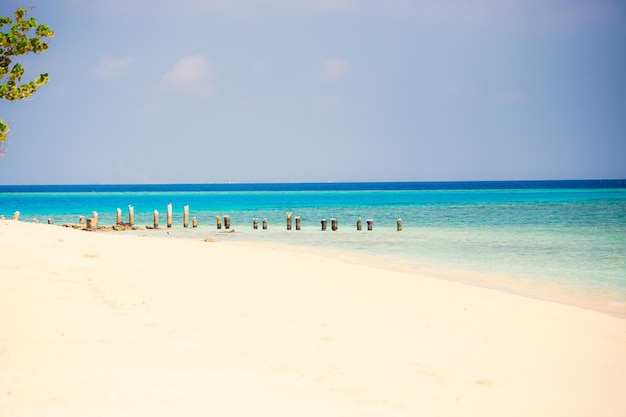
[(110, 324)]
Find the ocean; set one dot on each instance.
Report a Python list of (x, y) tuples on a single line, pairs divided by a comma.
[(563, 241)]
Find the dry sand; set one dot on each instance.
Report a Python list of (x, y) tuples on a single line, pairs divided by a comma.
[(102, 324)]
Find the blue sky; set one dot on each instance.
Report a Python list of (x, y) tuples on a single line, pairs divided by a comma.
[(214, 91)]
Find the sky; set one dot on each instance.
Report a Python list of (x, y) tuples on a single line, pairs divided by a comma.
[(220, 91)]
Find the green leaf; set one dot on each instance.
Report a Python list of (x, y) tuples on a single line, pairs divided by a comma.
[(4, 131), (17, 41)]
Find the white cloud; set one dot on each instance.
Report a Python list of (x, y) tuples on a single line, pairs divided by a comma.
[(335, 68), (191, 75), (109, 68)]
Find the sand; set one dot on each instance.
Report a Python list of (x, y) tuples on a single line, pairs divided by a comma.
[(109, 324)]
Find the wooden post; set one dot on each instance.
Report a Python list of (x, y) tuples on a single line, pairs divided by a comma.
[(169, 215), (264, 224), (255, 224), (297, 222), (323, 224), (50, 221), (156, 219), (370, 224), (334, 224), (399, 225), (186, 216), (16, 216), (194, 222), (359, 224), (219, 222), (118, 216), (226, 222), (81, 220), (92, 223), (131, 215), (288, 221)]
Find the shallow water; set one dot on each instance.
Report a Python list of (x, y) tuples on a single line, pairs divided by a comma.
[(539, 239)]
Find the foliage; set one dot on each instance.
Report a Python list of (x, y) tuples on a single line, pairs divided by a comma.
[(18, 40)]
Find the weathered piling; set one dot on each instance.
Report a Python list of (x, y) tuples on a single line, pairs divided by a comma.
[(264, 224), (359, 224), (92, 223), (118, 217), (131, 215), (219, 222), (81, 220), (288, 221), (370, 224), (194, 222), (334, 224), (324, 224), (156, 219), (297, 222), (169, 215), (16, 216), (399, 225), (226, 222), (186, 216), (50, 221), (255, 224)]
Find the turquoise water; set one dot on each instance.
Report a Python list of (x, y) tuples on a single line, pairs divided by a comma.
[(564, 241)]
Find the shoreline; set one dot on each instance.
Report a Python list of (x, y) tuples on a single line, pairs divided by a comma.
[(529, 287), (568, 293), (572, 293), (93, 323)]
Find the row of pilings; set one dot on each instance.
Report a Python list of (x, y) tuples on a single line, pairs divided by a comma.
[(92, 222)]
